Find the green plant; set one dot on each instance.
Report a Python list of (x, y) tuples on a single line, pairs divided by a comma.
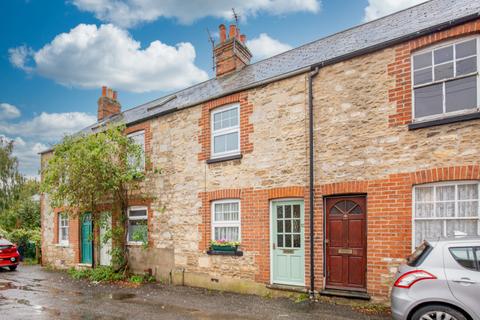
[(224, 243), (302, 297), (99, 274), (136, 279), (145, 278), (30, 261), (88, 171)]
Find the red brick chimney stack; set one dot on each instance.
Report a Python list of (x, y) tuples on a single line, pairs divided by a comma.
[(231, 54), (108, 104)]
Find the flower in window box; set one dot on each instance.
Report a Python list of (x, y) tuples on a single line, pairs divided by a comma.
[(224, 245)]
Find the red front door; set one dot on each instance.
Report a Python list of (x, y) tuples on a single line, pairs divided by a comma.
[(346, 243)]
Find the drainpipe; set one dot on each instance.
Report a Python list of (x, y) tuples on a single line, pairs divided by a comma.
[(311, 75)]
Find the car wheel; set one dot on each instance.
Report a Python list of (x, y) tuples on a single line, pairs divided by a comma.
[(12, 268), (438, 312)]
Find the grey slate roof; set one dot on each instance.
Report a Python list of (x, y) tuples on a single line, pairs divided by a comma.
[(372, 34)]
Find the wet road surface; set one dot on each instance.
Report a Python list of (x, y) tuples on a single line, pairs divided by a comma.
[(35, 293)]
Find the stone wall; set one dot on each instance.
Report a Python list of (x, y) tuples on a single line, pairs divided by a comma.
[(358, 150)]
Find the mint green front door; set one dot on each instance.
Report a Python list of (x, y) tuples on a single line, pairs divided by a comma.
[(288, 243)]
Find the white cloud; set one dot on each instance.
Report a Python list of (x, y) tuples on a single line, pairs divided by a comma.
[(48, 126), (380, 8), (35, 135), (127, 13), (89, 57), (19, 57), (264, 46), (8, 111)]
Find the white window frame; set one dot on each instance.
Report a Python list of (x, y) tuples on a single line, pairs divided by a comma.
[(215, 224), (62, 216), (133, 208), (445, 114), (138, 133), (220, 132), (445, 219)]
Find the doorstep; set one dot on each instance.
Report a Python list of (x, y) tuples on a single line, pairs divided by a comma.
[(345, 294), (84, 266), (285, 287)]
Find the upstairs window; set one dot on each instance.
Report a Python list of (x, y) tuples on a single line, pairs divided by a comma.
[(63, 229), (445, 80), (225, 125), (446, 210), (226, 220), (139, 139)]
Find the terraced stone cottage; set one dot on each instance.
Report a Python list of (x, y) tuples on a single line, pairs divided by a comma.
[(328, 163)]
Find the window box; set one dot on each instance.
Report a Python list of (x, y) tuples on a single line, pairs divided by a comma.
[(223, 248), (225, 253)]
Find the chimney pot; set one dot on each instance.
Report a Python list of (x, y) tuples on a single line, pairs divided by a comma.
[(223, 33), (237, 34), (108, 104), (232, 31), (243, 38)]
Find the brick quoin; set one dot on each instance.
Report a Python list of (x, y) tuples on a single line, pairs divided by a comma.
[(400, 69), (246, 128)]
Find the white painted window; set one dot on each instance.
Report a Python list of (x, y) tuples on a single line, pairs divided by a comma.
[(225, 124), (137, 225), (63, 229), (138, 138), (445, 210), (445, 79), (226, 220)]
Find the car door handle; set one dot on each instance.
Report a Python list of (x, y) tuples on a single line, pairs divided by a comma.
[(464, 280)]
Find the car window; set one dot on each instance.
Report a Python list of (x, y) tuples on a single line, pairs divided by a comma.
[(466, 257), (419, 255)]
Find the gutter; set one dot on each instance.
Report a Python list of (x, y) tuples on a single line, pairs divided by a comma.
[(302, 70), (390, 43), (311, 75)]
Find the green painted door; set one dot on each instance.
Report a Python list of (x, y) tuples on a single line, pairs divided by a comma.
[(288, 243), (87, 254)]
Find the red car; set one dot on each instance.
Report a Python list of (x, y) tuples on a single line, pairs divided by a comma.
[(9, 256)]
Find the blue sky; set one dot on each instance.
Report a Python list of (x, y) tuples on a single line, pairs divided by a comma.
[(55, 55)]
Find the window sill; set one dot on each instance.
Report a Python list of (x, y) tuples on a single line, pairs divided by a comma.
[(225, 253), (134, 244), (438, 122), (62, 245), (227, 158)]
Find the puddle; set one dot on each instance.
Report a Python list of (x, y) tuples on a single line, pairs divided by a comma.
[(24, 302), (121, 296), (11, 285)]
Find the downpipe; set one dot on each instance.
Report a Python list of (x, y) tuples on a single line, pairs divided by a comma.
[(312, 74)]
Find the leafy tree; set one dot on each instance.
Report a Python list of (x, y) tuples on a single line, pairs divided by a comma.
[(88, 171), (10, 178), (24, 210)]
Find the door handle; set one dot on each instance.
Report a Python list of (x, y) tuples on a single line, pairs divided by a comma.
[(464, 280), (274, 246)]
